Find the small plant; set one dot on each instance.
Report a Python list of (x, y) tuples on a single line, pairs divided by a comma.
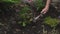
[(25, 15), (51, 21), (39, 4), (25, 11)]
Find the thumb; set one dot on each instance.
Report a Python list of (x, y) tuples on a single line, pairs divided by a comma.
[(43, 12)]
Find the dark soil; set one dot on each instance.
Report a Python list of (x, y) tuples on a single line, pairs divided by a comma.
[(8, 23)]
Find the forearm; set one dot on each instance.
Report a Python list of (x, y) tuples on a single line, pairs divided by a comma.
[(48, 3)]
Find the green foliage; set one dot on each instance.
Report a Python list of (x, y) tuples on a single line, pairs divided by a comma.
[(25, 15), (39, 4), (25, 12), (51, 21), (11, 1)]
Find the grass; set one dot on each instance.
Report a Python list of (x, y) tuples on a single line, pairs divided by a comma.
[(51, 21), (11, 1)]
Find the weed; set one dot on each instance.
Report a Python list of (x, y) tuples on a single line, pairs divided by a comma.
[(51, 21), (25, 15), (39, 4)]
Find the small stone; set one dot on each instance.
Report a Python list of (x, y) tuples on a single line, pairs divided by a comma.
[(59, 17), (18, 30), (38, 31), (14, 31), (28, 30), (0, 23), (33, 26), (23, 32), (5, 32)]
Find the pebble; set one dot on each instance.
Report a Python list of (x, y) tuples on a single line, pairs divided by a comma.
[(59, 17)]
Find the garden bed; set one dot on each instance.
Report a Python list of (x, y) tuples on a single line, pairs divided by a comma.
[(9, 20)]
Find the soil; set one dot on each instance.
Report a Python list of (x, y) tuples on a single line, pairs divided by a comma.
[(8, 24)]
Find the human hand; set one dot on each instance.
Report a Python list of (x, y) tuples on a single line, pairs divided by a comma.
[(45, 10)]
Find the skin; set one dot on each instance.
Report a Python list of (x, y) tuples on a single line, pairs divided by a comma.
[(45, 10)]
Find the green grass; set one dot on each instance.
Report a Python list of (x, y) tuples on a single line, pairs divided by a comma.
[(11, 1), (51, 21)]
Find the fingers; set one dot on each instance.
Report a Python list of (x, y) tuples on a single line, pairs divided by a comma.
[(43, 11)]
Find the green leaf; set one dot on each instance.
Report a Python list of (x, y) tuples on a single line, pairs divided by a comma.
[(24, 24)]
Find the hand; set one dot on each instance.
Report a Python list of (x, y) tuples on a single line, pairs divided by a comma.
[(45, 10), (29, 1)]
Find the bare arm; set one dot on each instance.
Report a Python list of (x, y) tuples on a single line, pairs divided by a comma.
[(46, 7), (48, 3)]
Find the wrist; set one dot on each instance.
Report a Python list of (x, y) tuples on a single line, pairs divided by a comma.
[(46, 6)]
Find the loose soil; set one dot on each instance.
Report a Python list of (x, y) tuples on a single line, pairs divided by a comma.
[(8, 23)]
